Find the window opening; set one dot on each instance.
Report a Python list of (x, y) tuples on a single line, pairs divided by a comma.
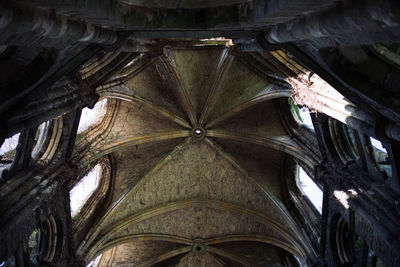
[(33, 245), (8, 149), (388, 52), (310, 189), (343, 241), (302, 114), (83, 190), (351, 139), (381, 157), (348, 247), (305, 117), (10, 262), (377, 144), (95, 262), (40, 138), (90, 117), (344, 141)]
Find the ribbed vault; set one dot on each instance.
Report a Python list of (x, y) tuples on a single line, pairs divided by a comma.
[(199, 144)]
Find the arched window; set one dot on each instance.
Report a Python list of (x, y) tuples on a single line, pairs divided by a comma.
[(370, 153), (309, 189), (95, 262), (40, 138), (33, 245), (50, 239), (381, 157), (46, 140), (344, 140), (45, 241), (301, 114), (94, 116), (388, 52), (83, 190), (342, 241), (348, 247), (8, 149), (305, 117), (377, 145)]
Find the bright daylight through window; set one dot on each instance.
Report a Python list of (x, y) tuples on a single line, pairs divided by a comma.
[(310, 189), (381, 157), (305, 117), (7, 152), (377, 144), (7, 149), (92, 116), (302, 114), (95, 262), (84, 189)]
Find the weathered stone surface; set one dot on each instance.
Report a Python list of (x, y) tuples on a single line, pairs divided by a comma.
[(155, 85), (262, 164), (135, 119), (238, 84), (204, 260), (261, 120), (197, 70), (198, 222), (136, 252), (259, 254), (198, 171), (134, 162)]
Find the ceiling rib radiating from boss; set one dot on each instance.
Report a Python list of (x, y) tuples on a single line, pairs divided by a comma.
[(199, 145)]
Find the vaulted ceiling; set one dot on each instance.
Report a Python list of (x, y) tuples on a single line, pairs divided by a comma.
[(199, 145)]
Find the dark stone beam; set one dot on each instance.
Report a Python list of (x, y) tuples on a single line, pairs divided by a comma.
[(62, 67), (24, 25), (350, 23), (184, 19)]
